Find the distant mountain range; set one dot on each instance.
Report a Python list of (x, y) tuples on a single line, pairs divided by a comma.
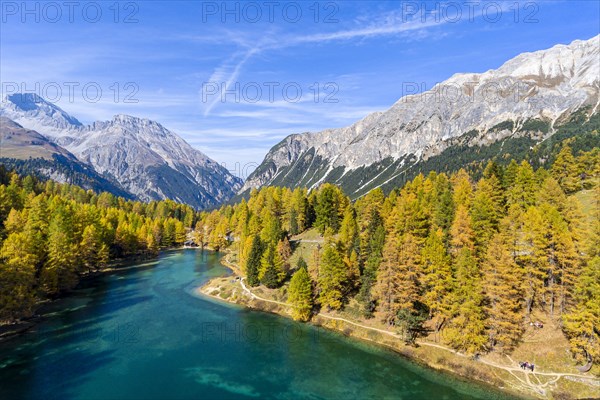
[(28, 152), (468, 118), (137, 156)]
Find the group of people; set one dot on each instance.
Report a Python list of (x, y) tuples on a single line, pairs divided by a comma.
[(526, 365)]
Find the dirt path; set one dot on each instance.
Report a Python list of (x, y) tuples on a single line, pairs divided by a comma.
[(524, 382), (258, 297)]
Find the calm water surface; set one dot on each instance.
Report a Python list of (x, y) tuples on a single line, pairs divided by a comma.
[(142, 334)]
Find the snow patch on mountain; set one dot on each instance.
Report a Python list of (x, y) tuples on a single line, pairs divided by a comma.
[(546, 85), (147, 159)]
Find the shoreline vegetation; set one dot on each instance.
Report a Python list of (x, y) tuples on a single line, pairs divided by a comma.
[(503, 374), (11, 329), (52, 235), (473, 272), (490, 270)]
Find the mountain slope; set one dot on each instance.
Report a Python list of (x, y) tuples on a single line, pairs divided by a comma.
[(28, 152), (530, 96), (146, 159)]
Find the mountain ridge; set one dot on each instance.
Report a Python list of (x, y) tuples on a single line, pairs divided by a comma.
[(148, 160), (546, 86), (28, 152)]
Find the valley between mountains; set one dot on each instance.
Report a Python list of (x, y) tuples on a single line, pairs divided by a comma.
[(460, 227)]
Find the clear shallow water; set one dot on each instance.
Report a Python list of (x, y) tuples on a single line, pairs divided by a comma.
[(142, 334)]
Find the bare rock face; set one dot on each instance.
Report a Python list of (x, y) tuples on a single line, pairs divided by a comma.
[(28, 152), (546, 86), (145, 158)]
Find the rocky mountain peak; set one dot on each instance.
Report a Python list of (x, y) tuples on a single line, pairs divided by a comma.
[(145, 158), (30, 106), (545, 86)]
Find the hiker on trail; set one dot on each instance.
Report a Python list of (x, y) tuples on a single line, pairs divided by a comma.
[(526, 365), (523, 364)]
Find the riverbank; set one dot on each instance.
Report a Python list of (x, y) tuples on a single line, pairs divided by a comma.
[(501, 372)]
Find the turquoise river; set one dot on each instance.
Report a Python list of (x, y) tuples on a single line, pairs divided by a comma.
[(142, 333)]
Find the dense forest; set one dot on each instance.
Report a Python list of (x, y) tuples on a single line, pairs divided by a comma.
[(51, 234), (468, 259)]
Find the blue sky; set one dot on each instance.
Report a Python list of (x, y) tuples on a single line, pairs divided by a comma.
[(174, 58)]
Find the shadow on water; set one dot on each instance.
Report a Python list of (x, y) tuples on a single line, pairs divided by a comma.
[(77, 310), (52, 375)]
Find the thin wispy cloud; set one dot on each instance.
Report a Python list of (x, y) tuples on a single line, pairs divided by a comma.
[(229, 71), (368, 54), (225, 75)]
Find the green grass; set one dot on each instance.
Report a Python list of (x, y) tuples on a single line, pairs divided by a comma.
[(590, 200), (310, 234), (305, 249)]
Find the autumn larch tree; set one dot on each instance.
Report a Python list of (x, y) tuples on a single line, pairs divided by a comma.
[(331, 279), (502, 281), (437, 280), (466, 329), (300, 295)]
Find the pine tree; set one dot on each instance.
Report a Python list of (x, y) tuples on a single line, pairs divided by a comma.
[(180, 233), (443, 208), (301, 263), (510, 174), (408, 273), (551, 193), (218, 237), (15, 221), (253, 263), (329, 208), (374, 239), (36, 229), (300, 295), (271, 231), (294, 229), (151, 244), (271, 273), (168, 237), (410, 216), (493, 169)]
